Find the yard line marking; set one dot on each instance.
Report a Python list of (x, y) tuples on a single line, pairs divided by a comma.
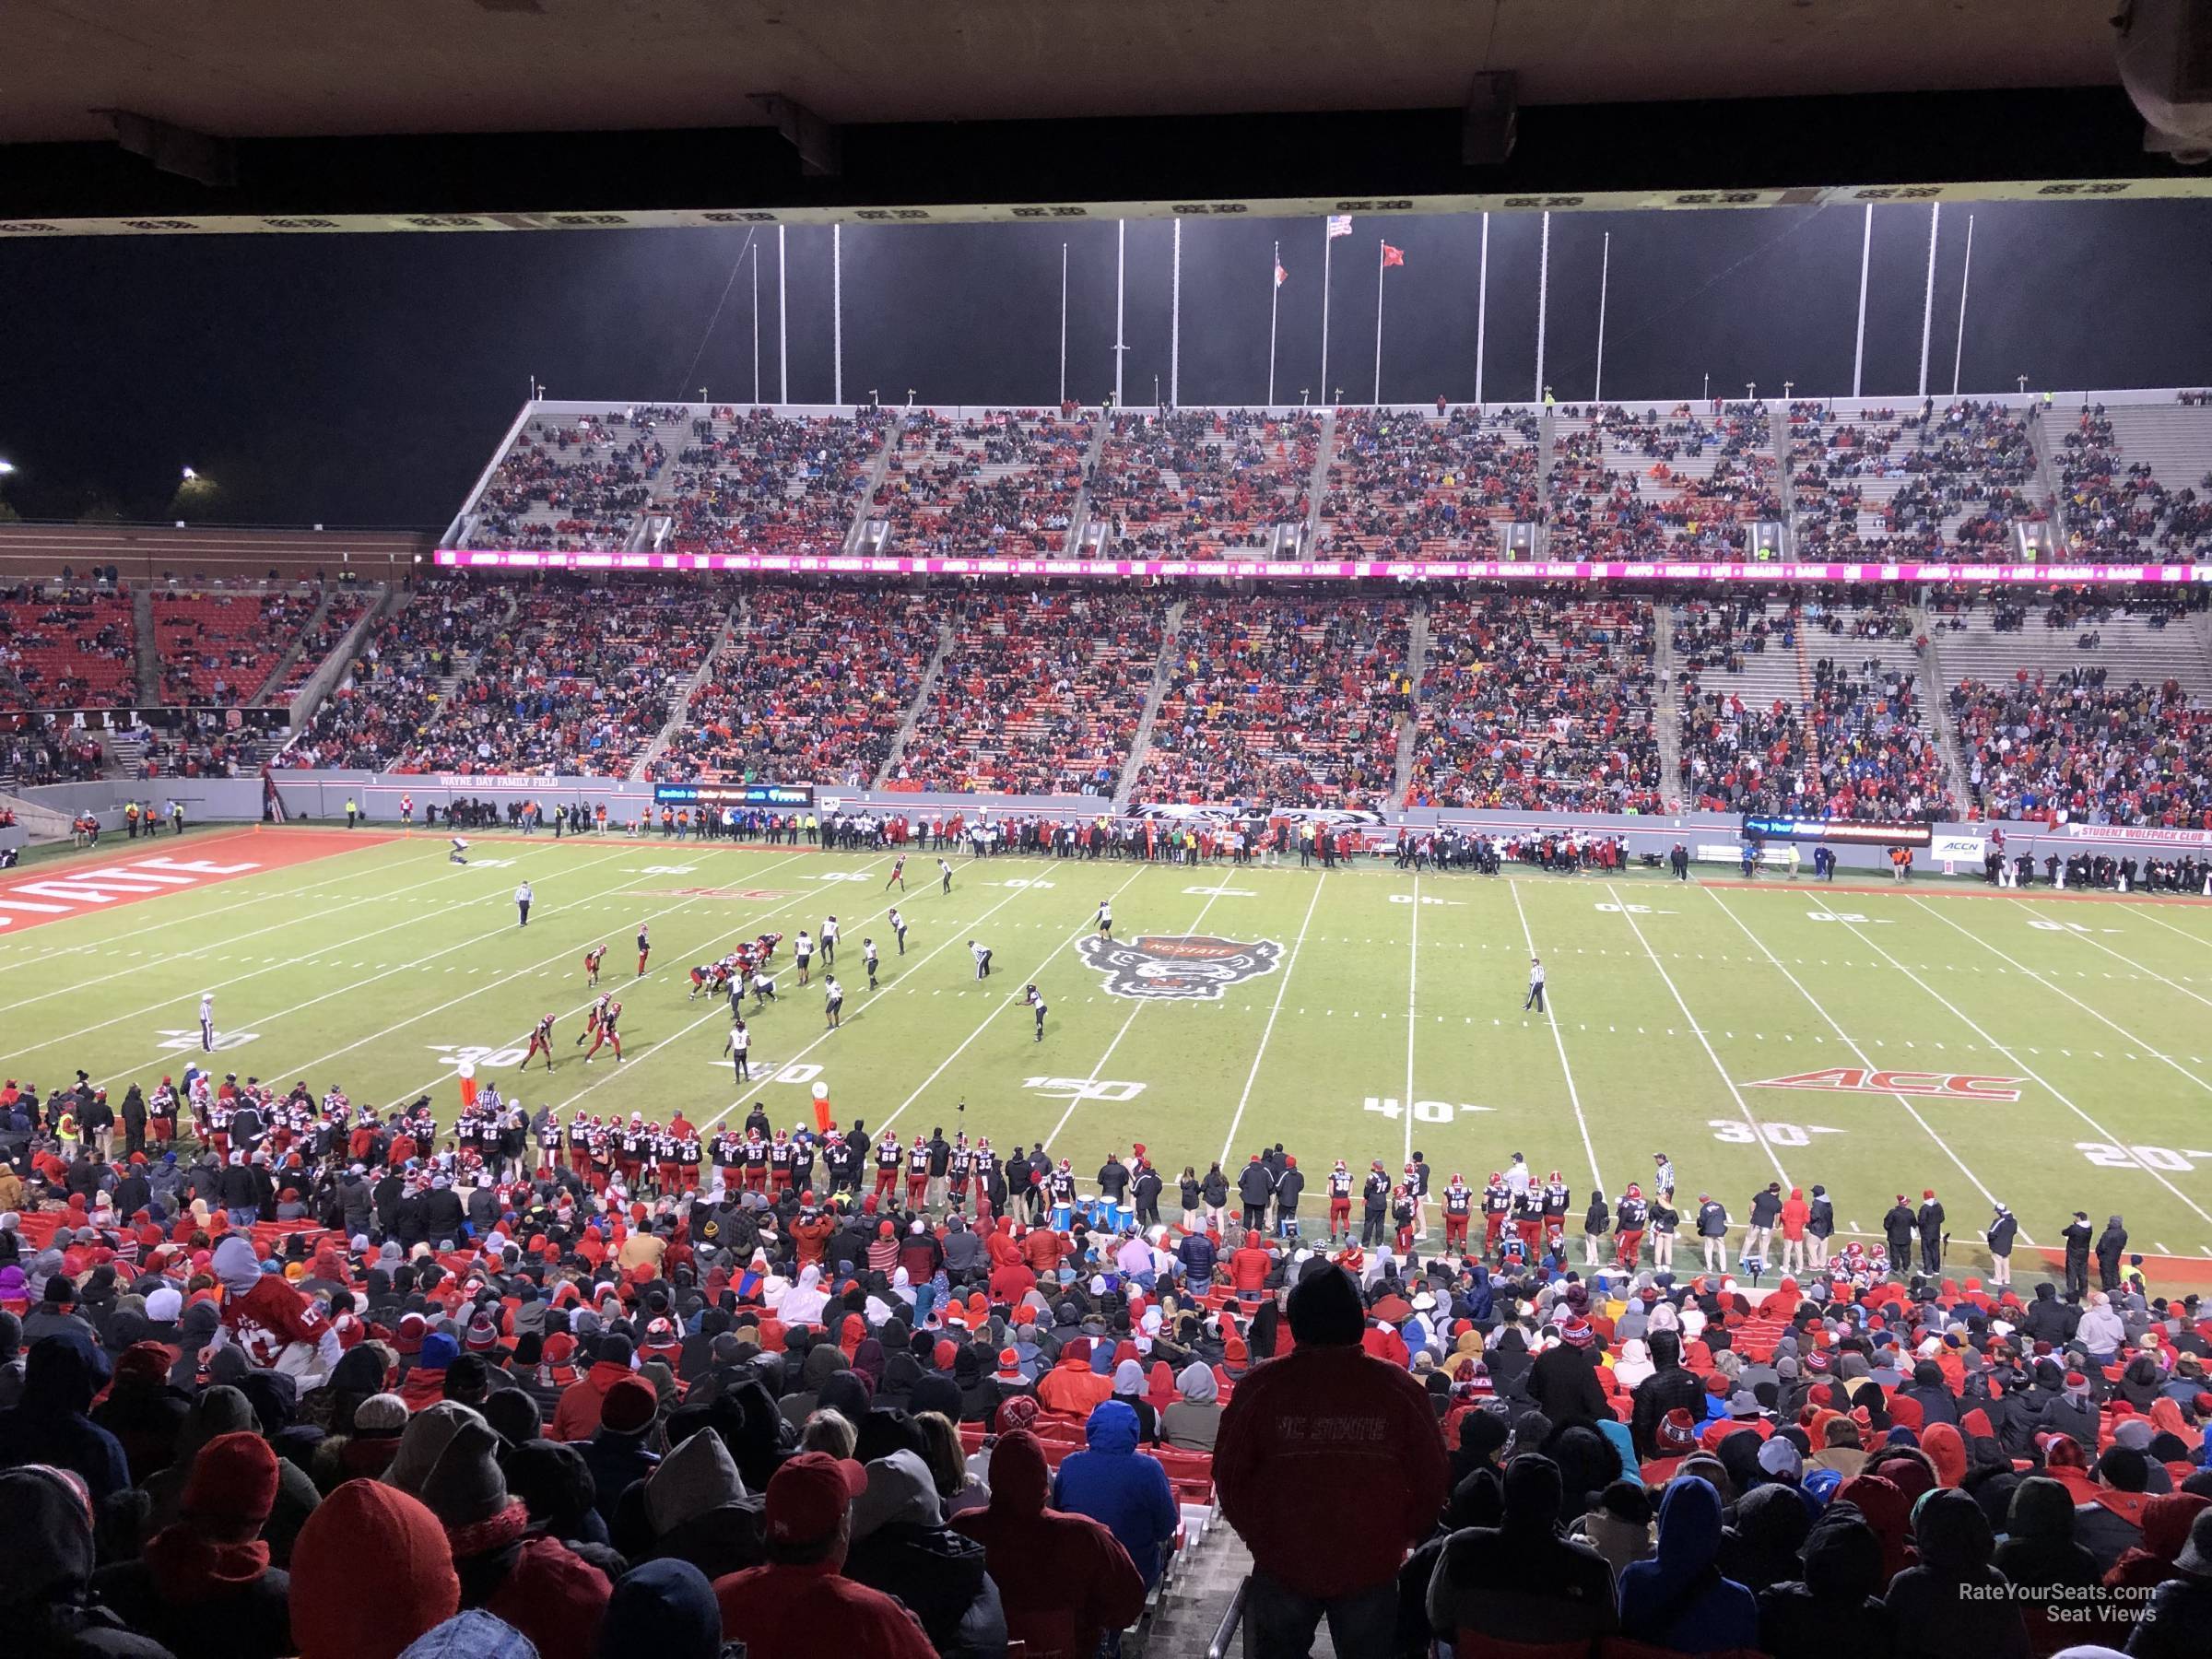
[(1742, 1105), (2056, 1094), (1911, 1111), (2085, 1007), (325, 996), (1237, 1118), (1574, 1097), (984, 1023), (2101, 945), (860, 1012), (1101, 1067)]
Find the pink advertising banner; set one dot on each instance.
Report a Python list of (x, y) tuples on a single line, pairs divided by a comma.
[(1326, 569)]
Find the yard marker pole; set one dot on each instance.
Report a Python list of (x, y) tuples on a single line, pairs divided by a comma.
[(1927, 304), (1858, 352)]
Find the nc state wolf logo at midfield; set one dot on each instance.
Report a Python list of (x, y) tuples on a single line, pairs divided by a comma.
[(1186, 967)]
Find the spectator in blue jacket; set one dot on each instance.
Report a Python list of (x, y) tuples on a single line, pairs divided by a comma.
[(1678, 1599), (1197, 1255), (61, 1374), (1112, 1483)]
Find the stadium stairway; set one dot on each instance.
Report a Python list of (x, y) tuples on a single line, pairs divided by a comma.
[(464, 669), (946, 632), (1171, 630), (383, 600), (1785, 478), (1317, 487), (1667, 730), (291, 652), (149, 650), (731, 620), (1079, 512), (1932, 686), (2046, 471), (1410, 724), (857, 532)]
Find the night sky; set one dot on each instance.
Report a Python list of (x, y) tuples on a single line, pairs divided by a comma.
[(364, 381)]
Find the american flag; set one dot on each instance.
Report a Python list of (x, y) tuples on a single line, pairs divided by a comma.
[(1340, 224)]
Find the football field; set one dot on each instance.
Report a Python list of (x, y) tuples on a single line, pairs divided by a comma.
[(2054, 1051)]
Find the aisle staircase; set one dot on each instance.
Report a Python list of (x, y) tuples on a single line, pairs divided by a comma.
[(1409, 722), (1936, 700), (946, 631), (1317, 488), (1666, 713), (1078, 514), (292, 652), (732, 619), (1170, 634)]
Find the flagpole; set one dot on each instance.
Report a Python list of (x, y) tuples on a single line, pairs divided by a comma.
[(837, 314), (1482, 307), (1605, 275), (1543, 300), (1927, 304), (1274, 303), (1858, 352), (1062, 322), (1958, 352), (1381, 245), (1328, 249), (782, 339), (756, 324), (1175, 323), (1120, 264)]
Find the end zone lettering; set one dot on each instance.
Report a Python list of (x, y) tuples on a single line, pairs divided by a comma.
[(1853, 1079)]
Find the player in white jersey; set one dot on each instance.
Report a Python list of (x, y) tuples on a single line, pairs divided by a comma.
[(830, 943), (833, 1000), (898, 923), (1106, 918), (207, 1022), (870, 960), (982, 959)]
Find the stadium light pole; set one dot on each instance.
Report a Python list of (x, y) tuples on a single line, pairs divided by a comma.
[(1927, 304), (1858, 352), (1174, 324), (1965, 276), (782, 339), (1543, 300), (1482, 307), (1275, 304), (837, 314), (1605, 275)]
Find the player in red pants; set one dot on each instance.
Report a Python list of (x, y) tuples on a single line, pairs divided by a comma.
[(917, 1173), (1459, 1206), (644, 948), (541, 1042), (591, 958), (607, 1032), (1631, 1214), (887, 1160), (1497, 1200), (1340, 1201)]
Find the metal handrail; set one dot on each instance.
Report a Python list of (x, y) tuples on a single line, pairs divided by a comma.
[(1227, 1632)]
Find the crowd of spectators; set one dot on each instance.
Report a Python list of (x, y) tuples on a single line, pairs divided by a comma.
[(2072, 746), (581, 679), (218, 650), (375, 715), (752, 481), (2118, 509), (347, 604), (1934, 484), (1282, 701), (1412, 484), (1537, 702), (574, 482), (998, 483), (1624, 485), (812, 689), (1203, 484), (65, 646), (1039, 693), (43, 750)]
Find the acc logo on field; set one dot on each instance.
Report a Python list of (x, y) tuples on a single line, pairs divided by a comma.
[(1853, 1079), (1178, 967)]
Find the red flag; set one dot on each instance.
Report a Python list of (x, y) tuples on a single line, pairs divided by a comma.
[(1393, 256), (1281, 276)]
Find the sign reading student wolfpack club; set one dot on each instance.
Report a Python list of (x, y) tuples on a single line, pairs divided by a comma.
[(1179, 968), (1856, 1080)]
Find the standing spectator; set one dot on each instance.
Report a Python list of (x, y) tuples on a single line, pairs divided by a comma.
[(1271, 1456)]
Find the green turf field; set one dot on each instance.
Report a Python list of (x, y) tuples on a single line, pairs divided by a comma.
[(1374, 1014)]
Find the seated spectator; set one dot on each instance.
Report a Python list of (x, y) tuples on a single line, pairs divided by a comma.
[(1678, 1599), (901, 1547), (1521, 1581), (1836, 1610), (366, 1528), (1112, 1484), (2173, 1625), (1933, 1606), (1064, 1578), (45, 1605), (1193, 1420)]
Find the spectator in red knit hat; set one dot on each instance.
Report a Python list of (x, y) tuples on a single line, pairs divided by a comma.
[(204, 1587), (800, 1605), (372, 1571)]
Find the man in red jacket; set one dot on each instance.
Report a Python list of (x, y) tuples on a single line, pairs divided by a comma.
[(576, 1415), (1248, 1269), (1065, 1579), (1328, 1418)]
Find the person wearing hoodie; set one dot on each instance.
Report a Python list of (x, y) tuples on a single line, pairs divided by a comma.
[(665, 1608), (1072, 1388), (142, 1411), (2173, 1625), (1759, 1546), (1129, 1387), (1669, 1385), (2111, 1250), (1835, 1609), (901, 1547), (1521, 1581), (2108, 1522), (1678, 1599), (577, 1416), (507, 1567), (823, 1361), (1193, 1420), (51, 1423), (1953, 1601), (204, 1587), (1618, 1525), (2166, 1523), (616, 1454), (46, 1611), (1111, 1483), (371, 1572), (1065, 1580), (2038, 1554), (278, 1328), (695, 1508)]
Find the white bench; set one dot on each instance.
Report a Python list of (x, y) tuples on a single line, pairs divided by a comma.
[(1773, 858)]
